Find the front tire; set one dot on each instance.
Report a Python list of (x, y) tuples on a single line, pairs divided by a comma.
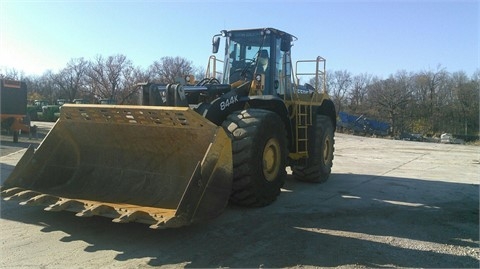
[(318, 165), (259, 156)]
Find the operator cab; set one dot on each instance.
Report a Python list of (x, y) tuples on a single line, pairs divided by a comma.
[(262, 55)]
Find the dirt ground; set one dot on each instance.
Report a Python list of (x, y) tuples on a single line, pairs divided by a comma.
[(387, 204)]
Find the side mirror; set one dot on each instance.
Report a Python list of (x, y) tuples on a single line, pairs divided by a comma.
[(215, 44), (286, 43)]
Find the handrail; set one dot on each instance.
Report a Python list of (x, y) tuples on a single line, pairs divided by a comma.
[(212, 63), (319, 71)]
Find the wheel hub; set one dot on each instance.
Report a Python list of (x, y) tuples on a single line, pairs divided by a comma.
[(271, 159)]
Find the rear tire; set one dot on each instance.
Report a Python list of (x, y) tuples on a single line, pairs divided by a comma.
[(318, 166), (259, 156)]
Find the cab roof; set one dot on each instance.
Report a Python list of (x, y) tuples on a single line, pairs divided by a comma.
[(272, 30)]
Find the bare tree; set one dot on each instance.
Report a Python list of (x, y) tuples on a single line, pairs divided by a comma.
[(42, 87), (168, 69), (430, 93), (466, 97), (200, 72), (12, 73), (72, 79), (338, 84), (108, 77), (390, 97), (358, 93), (130, 89)]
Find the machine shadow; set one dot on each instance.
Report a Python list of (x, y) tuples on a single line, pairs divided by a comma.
[(350, 220)]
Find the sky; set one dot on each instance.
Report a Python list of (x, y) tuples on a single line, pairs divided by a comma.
[(373, 37)]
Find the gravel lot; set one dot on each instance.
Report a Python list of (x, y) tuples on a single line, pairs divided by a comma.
[(388, 204)]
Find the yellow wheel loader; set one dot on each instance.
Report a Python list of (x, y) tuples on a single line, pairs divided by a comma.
[(187, 150)]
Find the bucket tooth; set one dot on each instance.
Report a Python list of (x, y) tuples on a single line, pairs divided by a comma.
[(41, 199), (23, 195), (130, 216), (64, 204), (10, 191), (157, 225), (96, 209)]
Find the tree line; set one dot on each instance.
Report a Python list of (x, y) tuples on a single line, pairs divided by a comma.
[(427, 102), (113, 77)]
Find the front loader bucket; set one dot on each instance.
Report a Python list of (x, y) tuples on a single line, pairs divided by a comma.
[(163, 166)]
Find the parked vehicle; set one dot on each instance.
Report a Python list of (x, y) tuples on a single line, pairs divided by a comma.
[(447, 138), (189, 149), (13, 96)]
